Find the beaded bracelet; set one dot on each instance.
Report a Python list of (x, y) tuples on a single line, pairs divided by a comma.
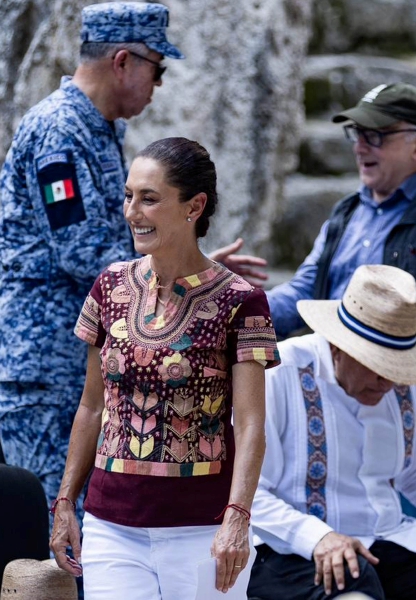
[(239, 509), (61, 499)]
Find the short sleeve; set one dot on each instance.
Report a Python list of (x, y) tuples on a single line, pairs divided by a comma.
[(251, 333), (89, 327)]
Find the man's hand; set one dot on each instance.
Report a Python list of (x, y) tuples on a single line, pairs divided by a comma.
[(329, 555), (242, 264)]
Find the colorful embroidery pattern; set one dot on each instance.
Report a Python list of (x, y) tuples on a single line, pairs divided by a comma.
[(406, 409), (317, 449), (168, 378)]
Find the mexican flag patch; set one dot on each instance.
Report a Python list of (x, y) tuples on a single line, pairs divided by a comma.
[(59, 190)]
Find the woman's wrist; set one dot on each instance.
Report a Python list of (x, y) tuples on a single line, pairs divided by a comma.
[(63, 499), (238, 508)]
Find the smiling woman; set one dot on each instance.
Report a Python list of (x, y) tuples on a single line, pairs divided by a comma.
[(177, 345), (170, 196)]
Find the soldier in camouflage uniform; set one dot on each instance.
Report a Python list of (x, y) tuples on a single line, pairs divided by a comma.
[(61, 222)]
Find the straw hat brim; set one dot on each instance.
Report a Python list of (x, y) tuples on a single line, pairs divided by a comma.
[(31, 579), (398, 366)]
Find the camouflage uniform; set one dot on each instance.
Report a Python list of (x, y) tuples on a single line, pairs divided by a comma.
[(61, 223), (54, 239)]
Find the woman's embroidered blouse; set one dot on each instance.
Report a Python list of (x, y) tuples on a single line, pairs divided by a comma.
[(165, 453)]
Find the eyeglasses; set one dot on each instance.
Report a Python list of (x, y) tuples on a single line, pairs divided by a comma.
[(373, 137), (160, 69)]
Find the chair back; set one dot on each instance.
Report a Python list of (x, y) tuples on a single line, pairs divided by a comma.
[(24, 517)]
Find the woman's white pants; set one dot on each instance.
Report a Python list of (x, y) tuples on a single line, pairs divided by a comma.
[(135, 563)]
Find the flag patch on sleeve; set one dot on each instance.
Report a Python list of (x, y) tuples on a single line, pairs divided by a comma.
[(58, 183), (59, 190)]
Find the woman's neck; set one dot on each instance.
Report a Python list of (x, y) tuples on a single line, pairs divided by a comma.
[(168, 269)]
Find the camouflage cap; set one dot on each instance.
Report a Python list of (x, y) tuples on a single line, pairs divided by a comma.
[(383, 106), (115, 22)]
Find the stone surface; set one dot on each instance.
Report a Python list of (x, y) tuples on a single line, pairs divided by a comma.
[(307, 203), (324, 150), (239, 92), (337, 81), (383, 27)]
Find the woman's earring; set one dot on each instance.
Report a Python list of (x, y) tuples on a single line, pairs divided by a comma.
[(189, 219)]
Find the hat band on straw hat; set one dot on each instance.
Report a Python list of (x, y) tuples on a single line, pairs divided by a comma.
[(373, 335)]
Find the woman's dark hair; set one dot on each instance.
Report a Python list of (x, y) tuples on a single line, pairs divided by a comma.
[(189, 168)]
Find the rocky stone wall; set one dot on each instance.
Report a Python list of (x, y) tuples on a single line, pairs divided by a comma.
[(239, 92), (375, 27)]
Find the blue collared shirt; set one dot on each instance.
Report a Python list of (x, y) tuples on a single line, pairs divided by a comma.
[(362, 243)]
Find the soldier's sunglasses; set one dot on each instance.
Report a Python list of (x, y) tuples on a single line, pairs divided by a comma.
[(160, 69)]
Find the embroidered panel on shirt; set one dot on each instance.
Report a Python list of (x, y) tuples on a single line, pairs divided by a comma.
[(131, 467), (317, 449), (255, 331), (406, 409), (87, 324)]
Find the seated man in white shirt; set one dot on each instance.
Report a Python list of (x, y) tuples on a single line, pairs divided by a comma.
[(341, 445)]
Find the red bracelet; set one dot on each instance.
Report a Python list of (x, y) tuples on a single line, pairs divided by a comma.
[(239, 509), (61, 499)]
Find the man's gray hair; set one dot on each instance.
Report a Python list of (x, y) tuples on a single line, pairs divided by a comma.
[(96, 50)]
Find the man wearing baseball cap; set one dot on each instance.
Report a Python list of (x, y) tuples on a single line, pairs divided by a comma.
[(340, 445), (377, 224)]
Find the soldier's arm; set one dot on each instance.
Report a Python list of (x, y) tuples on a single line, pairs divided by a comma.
[(77, 196)]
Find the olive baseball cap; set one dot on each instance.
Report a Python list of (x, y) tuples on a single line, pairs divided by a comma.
[(382, 106), (129, 22)]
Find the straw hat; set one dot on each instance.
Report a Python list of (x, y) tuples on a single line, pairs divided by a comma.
[(375, 323), (30, 579)]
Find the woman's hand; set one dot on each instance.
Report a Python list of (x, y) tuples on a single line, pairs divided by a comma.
[(231, 549), (66, 533)]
